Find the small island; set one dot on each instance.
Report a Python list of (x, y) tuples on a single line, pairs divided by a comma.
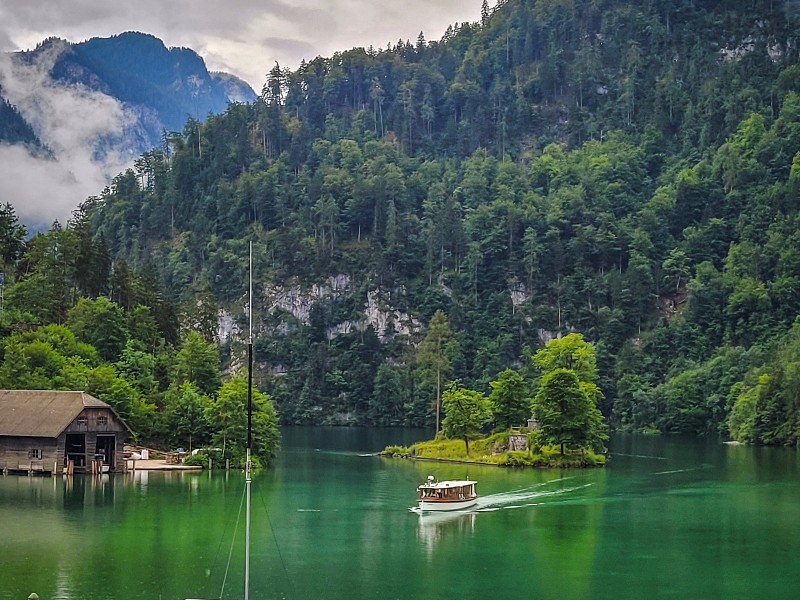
[(564, 425)]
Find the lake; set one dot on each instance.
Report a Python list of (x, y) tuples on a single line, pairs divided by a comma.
[(668, 518)]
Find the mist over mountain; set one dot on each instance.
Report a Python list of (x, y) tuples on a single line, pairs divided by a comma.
[(73, 115)]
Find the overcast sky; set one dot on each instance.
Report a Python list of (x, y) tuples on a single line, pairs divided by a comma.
[(243, 37)]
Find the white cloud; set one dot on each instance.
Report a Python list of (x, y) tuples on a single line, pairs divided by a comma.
[(70, 121)]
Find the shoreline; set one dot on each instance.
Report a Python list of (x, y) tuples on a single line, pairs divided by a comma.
[(157, 465)]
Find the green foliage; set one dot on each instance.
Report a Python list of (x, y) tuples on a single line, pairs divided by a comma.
[(571, 352), (488, 450), (765, 404), (481, 450), (510, 401), (201, 459), (14, 128), (100, 323), (518, 458), (566, 403), (388, 395), (139, 414), (396, 451), (567, 416), (550, 457), (198, 363), (696, 399), (466, 412), (186, 416), (208, 458), (227, 417), (139, 369), (47, 358), (434, 364), (12, 232), (742, 420)]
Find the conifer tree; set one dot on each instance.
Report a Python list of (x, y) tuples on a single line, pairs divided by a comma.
[(432, 359)]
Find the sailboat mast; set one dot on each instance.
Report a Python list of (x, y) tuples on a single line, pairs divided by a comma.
[(248, 463), (250, 361)]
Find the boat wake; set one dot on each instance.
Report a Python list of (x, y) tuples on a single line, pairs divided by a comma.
[(639, 456), (522, 498), (673, 471)]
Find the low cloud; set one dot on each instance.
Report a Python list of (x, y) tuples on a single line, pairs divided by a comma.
[(71, 122)]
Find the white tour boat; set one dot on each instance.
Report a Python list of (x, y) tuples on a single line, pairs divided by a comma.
[(446, 495)]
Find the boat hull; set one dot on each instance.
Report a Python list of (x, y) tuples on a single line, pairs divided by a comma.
[(432, 506)]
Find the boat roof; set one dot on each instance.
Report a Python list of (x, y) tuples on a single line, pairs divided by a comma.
[(447, 484)]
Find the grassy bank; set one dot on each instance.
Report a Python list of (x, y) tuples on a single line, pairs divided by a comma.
[(493, 450)]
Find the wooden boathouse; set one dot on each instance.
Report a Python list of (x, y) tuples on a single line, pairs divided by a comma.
[(54, 432)]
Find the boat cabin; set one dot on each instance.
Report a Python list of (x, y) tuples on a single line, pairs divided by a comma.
[(59, 431), (447, 491), (446, 495)]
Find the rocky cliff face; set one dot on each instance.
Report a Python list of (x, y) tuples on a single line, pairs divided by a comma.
[(296, 302)]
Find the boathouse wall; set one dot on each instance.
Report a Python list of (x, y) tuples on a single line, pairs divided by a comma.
[(31, 454)]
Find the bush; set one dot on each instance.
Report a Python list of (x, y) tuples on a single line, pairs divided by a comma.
[(199, 459), (518, 458), (395, 451), (205, 456)]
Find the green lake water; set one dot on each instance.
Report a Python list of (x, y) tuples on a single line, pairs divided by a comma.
[(668, 518)]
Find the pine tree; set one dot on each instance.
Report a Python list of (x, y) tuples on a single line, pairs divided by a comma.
[(432, 358)]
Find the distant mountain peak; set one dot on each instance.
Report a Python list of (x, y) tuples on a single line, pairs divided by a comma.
[(163, 86)]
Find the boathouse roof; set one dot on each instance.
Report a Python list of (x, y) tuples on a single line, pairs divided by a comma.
[(42, 413)]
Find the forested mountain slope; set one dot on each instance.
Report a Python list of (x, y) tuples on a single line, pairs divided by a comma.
[(627, 170), (13, 128)]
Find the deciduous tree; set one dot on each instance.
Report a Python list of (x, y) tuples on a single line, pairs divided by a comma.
[(227, 416), (510, 401), (466, 412)]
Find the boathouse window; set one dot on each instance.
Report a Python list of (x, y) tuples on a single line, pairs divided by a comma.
[(102, 420), (35, 453), (83, 421)]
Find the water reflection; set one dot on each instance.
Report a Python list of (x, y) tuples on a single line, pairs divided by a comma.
[(72, 493), (669, 516), (141, 478), (432, 527), (86, 493)]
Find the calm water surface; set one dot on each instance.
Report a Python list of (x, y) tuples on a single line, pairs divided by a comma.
[(669, 518)]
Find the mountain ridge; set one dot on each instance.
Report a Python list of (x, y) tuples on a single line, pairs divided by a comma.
[(162, 86)]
